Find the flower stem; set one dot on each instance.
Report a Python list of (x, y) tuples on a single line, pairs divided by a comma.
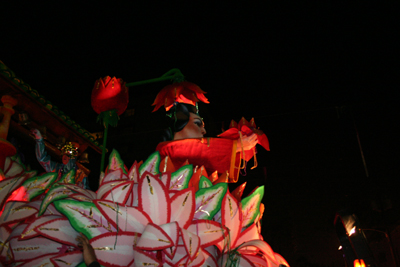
[(173, 74), (103, 153)]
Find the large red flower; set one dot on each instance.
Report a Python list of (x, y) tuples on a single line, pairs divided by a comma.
[(182, 92), (110, 93)]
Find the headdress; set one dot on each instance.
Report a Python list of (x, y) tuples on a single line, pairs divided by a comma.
[(70, 149), (179, 99), (182, 92)]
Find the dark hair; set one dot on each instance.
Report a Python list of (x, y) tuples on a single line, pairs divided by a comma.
[(177, 118)]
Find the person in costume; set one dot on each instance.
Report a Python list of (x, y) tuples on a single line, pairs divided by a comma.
[(184, 138), (69, 153)]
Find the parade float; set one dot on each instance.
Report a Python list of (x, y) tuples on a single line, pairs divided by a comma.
[(163, 211)]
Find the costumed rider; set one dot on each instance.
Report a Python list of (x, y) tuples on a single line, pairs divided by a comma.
[(184, 139), (69, 153)]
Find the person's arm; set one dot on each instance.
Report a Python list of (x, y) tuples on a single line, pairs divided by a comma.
[(248, 142), (94, 264), (89, 257), (41, 154)]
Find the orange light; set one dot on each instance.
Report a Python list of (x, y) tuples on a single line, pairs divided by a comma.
[(359, 263)]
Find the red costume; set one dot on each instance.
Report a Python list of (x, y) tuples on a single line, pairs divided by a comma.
[(215, 154)]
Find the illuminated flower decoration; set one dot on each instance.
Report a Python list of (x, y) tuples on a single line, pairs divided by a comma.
[(110, 97), (70, 149), (144, 216), (245, 244), (181, 92)]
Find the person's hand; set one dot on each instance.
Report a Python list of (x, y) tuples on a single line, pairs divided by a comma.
[(88, 252), (248, 142), (37, 134)]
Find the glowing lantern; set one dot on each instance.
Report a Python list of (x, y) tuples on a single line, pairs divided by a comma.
[(110, 94), (359, 263)]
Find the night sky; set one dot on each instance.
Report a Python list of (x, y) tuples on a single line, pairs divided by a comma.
[(313, 75)]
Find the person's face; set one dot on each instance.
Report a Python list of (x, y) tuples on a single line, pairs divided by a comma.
[(65, 159), (193, 129)]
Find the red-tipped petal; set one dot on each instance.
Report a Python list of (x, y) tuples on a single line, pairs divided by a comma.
[(263, 141), (238, 192)]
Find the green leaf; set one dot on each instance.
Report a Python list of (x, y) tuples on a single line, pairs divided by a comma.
[(251, 206), (204, 182), (115, 162), (68, 178), (84, 217), (37, 185), (208, 201), (180, 178), (151, 164), (55, 193)]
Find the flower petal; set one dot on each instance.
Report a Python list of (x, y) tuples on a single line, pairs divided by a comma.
[(13, 169), (59, 230), (30, 232), (133, 173), (23, 250), (183, 206), (119, 193), (68, 259), (238, 192), (144, 259), (114, 175), (257, 260), (172, 230), (250, 233), (130, 219), (191, 242), (232, 219), (114, 249), (198, 260), (90, 194), (105, 188), (166, 179), (209, 232), (154, 199), (262, 246), (15, 211), (281, 260), (209, 259), (41, 261), (8, 185), (154, 238)]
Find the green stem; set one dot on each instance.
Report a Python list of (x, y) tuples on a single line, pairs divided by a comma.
[(173, 74), (103, 153)]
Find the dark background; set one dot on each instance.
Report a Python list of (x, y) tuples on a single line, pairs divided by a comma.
[(315, 75)]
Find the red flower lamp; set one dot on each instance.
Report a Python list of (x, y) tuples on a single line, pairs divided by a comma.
[(109, 99)]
